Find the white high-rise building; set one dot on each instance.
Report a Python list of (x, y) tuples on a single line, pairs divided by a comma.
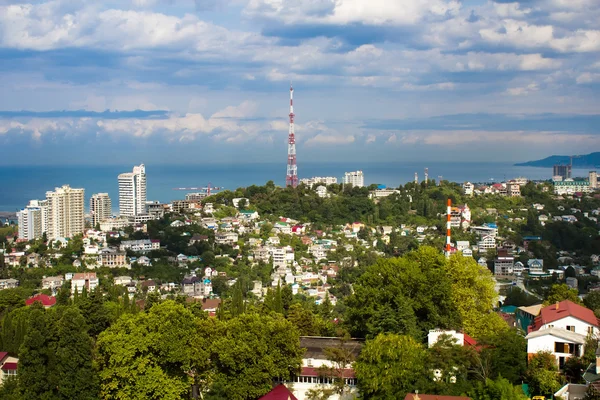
[(100, 208), (356, 179), (65, 212), (132, 192), (593, 178), (33, 220)]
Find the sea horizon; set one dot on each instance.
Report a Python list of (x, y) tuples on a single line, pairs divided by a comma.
[(22, 183)]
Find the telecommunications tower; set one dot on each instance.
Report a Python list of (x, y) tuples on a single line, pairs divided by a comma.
[(291, 178)]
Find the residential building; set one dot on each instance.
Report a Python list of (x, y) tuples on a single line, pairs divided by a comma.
[(513, 189), (114, 224), (486, 242), (65, 212), (100, 208), (53, 283), (356, 179), (322, 191), (43, 299), (140, 246), (84, 280), (535, 266), (468, 188), (315, 358), (562, 329), (319, 180), (504, 263), (132, 192), (8, 366), (526, 316), (459, 338), (375, 194), (593, 180), (112, 258), (564, 171), (33, 220), (9, 283), (570, 187), (460, 217)]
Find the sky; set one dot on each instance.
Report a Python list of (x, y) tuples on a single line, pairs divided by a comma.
[(207, 81)]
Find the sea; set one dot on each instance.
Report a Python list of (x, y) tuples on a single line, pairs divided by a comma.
[(19, 184)]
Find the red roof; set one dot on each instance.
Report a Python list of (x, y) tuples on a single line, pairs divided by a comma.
[(279, 392), (47, 301), (310, 371), (9, 366), (412, 396), (3, 355), (562, 310), (469, 341)]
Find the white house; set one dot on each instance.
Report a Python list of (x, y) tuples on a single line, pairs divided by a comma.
[(562, 328), (310, 377), (486, 242), (87, 280)]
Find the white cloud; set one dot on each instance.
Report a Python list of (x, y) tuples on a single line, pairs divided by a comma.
[(588, 77), (524, 90), (327, 139), (374, 12)]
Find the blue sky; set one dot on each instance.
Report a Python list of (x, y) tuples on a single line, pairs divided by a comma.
[(196, 81)]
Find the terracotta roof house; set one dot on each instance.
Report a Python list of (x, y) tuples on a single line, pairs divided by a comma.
[(565, 311), (561, 329), (279, 392), (47, 301)]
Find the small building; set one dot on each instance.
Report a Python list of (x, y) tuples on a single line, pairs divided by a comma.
[(8, 366), (45, 300), (84, 280)]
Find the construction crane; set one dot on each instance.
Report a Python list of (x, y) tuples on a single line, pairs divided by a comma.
[(204, 189)]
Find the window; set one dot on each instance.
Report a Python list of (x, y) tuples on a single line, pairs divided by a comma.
[(571, 328), (550, 326), (309, 362), (591, 330)]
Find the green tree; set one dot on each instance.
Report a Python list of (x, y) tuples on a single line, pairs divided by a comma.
[(474, 293), (542, 374), (592, 301), (499, 389), (406, 295), (562, 292), (75, 378), (390, 366), (37, 358), (249, 352), (155, 355), (506, 351)]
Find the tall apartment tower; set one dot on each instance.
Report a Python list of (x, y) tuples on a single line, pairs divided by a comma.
[(593, 178), (132, 192), (100, 208), (65, 212), (33, 220), (356, 179)]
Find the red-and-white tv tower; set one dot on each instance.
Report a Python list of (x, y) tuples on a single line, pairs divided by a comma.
[(291, 178)]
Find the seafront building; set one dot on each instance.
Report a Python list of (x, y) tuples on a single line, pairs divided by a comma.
[(593, 179), (570, 187), (132, 192), (33, 220), (356, 179), (65, 212), (319, 180), (100, 208)]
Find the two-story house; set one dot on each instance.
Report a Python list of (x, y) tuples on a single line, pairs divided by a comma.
[(562, 329)]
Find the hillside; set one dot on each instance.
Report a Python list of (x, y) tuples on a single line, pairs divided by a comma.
[(591, 160)]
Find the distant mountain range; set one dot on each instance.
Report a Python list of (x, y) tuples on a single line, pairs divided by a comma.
[(591, 160)]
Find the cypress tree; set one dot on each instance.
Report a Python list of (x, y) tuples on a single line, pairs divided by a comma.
[(75, 377), (36, 358)]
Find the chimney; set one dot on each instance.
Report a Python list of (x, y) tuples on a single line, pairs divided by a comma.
[(557, 306)]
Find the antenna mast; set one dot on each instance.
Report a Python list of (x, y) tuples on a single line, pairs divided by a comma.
[(291, 178)]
